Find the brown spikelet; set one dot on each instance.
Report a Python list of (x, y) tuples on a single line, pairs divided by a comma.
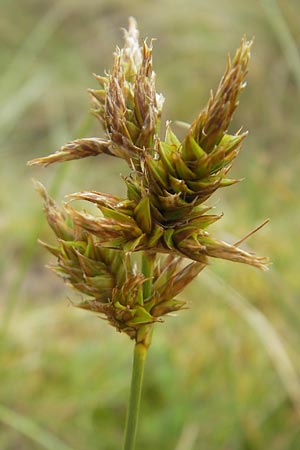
[(213, 122), (127, 103), (80, 148)]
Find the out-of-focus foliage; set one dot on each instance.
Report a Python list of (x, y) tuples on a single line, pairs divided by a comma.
[(226, 373)]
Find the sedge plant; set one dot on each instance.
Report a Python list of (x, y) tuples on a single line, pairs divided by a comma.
[(134, 257)]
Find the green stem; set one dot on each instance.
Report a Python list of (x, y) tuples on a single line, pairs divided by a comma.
[(143, 340), (140, 353)]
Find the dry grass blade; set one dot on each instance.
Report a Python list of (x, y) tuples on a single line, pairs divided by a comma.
[(188, 437), (31, 429)]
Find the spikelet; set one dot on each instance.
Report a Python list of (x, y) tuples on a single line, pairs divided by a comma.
[(127, 103), (80, 148)]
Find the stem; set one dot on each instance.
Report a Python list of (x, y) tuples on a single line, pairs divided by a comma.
[(143, 341), (140, 353)]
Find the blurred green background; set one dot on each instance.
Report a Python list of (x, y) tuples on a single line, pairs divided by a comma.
[(224, 374)]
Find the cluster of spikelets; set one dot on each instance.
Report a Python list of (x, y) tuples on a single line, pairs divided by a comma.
[(164, 211)]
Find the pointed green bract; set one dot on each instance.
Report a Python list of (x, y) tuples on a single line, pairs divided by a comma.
[(143, 215)]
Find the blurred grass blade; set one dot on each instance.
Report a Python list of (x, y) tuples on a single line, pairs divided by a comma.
[(284, 37), (264, 330), (188, 437), (57, 118), (31, 429), (17, 104), (27, 52)]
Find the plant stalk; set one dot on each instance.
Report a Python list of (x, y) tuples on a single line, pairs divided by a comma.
[(140, 353), (143, 341)]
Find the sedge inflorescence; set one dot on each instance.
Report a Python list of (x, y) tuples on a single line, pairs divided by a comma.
[(164, 215)]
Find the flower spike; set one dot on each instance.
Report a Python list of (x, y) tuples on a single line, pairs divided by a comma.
[(164, 214)]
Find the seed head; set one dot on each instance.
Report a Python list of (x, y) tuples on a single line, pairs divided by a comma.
[(164, 214)]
